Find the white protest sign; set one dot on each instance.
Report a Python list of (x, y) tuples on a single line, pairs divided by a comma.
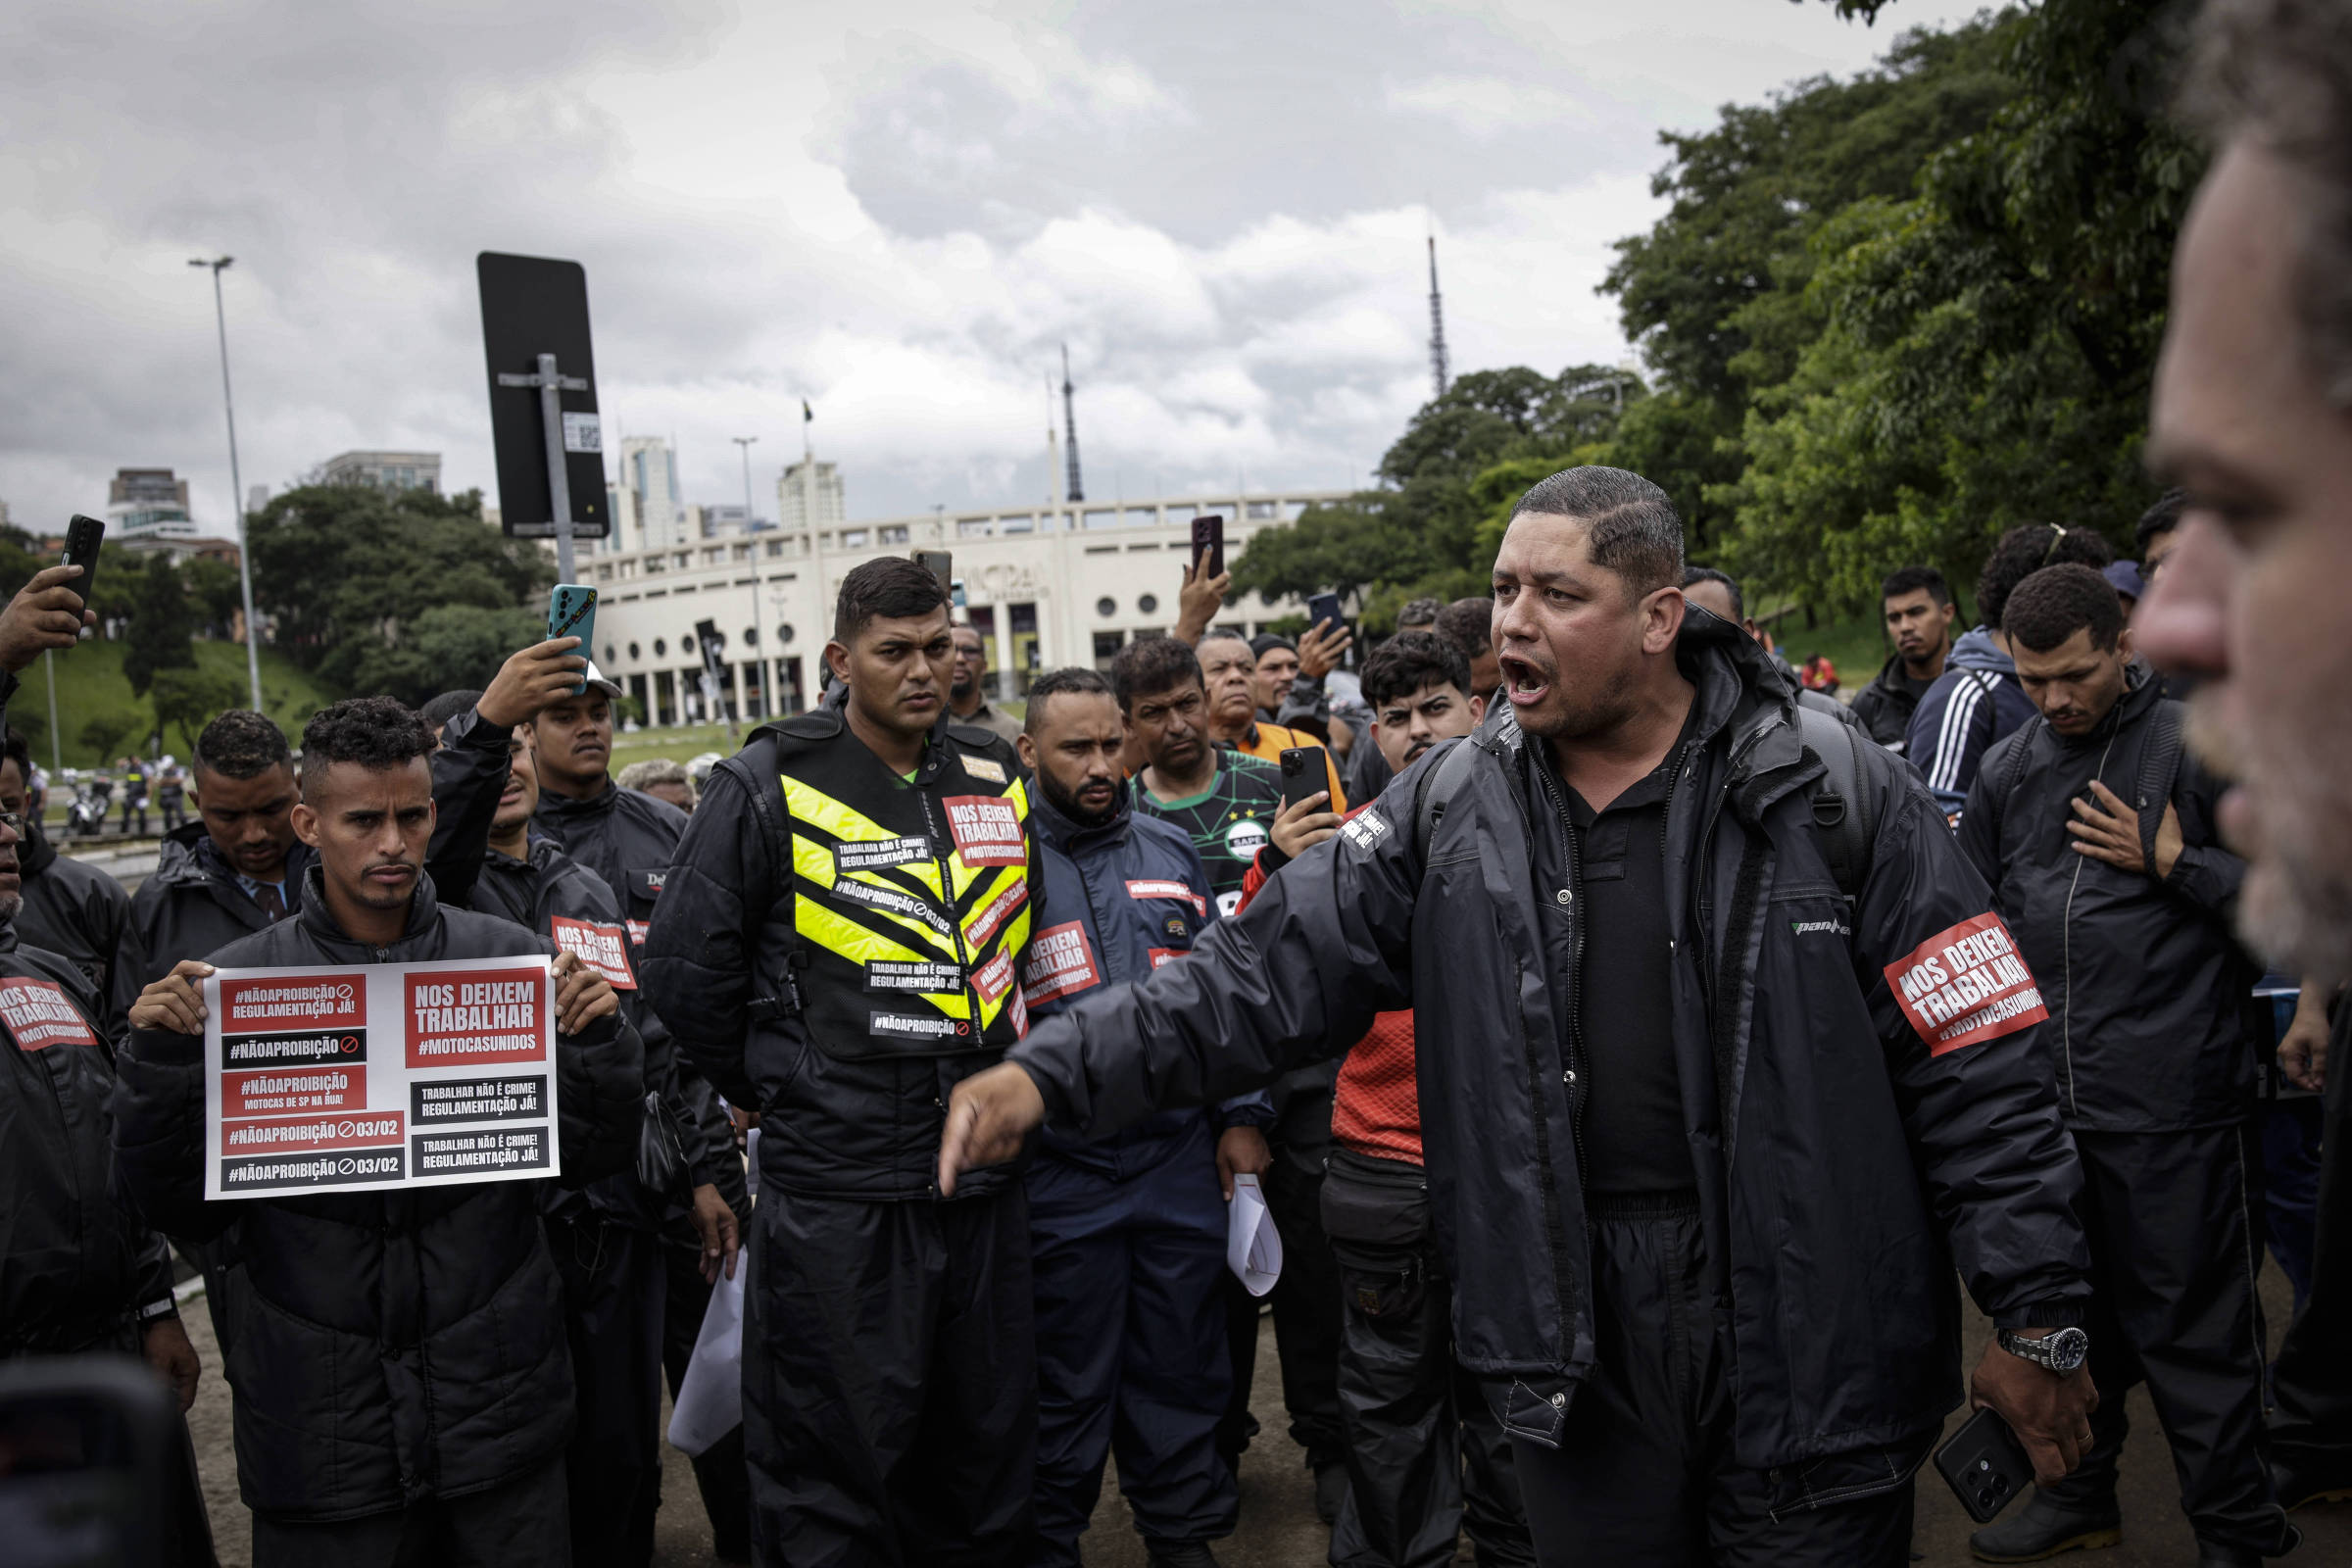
[(379, 1076)]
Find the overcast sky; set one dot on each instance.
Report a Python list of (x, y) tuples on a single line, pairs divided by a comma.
[(895, 209)]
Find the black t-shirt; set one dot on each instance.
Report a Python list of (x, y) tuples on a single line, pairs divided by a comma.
[(1633, 1120)]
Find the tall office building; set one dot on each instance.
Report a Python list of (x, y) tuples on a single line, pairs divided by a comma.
[(148, 504), (648, 514), (809, 496)]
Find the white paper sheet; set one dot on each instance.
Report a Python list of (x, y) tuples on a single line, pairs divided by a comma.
[(1253, 1245)]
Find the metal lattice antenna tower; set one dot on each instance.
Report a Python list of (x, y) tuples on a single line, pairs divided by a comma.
[(1069, 422), (1437, 324)]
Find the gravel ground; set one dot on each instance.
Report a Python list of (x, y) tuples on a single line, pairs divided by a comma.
[(1279, 1529)]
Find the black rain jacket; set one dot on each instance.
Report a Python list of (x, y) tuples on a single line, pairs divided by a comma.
[(385, 1348), (532, 893), (192, 906), (2146, 988), (831, 1128), (1853, 1171), (74, 910), (77, 1269), (1885, 706)]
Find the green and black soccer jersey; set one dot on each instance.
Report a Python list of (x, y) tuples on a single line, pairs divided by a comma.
[(1228, 823)]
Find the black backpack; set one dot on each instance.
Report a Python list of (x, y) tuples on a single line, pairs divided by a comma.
[(1840, 802)]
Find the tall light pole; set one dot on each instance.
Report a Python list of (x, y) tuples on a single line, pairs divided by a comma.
[(758, 631), (236, 486)]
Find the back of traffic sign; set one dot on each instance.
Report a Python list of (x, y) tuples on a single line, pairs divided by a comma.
[(533, 307)]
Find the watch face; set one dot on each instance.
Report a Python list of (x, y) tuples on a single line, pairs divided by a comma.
[(2068, 1348)]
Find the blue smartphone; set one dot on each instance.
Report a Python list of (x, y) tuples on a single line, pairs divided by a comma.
[(571, 613)]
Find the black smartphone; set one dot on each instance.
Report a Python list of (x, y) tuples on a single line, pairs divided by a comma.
[(83, 535), (943, 566), (1209, 533), (1304, 774), (1321, 608), (571, 613), (1986, 1466)]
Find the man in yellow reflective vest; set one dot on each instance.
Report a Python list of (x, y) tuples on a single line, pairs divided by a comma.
[(840, 943)]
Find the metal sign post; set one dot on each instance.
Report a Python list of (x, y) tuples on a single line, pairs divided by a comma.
[(551, 386)]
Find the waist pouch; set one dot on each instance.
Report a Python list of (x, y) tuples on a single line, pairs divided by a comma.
[(1374, 1209)]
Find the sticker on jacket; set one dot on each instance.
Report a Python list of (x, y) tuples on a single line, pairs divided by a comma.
[(40, 1015), (980, 768), (1160, 955), (919, 976), (1966, 985), (1062, 963), (1169, 890), (995, 911), (878, 854), (891, 902), (1365, 830), (987, 829), (994, 978), (637, 930), (601, 946), (926, 1029)]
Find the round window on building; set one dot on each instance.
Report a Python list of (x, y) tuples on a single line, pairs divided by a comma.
[(1148, 604), (633, 651), (1106, 608), (751, 636), (784, 634), (612, 655), (660, 647)]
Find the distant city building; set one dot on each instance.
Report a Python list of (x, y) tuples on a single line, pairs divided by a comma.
[(809, 496), (724, 520), (148, 504), (647, 512), (384, 471)]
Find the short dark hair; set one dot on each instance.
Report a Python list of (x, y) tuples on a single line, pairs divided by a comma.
[(2024, 551), (1906, 580), (1417, 613), (1635, 531), (1411, 660), (241, 744), (1075, 681), (1693, 576), (2055, 603), (446, 707), (890, 586), (375, 732), (1150, 665), (15, 748), (1468, 624), (2159, 519), (2280, 73)]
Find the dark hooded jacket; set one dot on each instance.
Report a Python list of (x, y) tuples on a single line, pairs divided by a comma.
[(1844, 1168), (386, 1348), (2146, 988), (1136, 890), (1885, 706), (1975, 702), (77, 1269), (724, 953), (192, 904), (74, 911), (549, 886)]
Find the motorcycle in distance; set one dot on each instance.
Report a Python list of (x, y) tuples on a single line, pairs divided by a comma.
[(85, 814)]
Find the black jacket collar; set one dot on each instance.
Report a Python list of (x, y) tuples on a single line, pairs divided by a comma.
[(319, 923), (1073, 838)]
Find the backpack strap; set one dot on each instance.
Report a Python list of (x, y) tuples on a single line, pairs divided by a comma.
[(1437, 789), (778, 837), (1841, 803)]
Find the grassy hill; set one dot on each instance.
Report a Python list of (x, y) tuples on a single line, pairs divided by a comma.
[(90, 684)]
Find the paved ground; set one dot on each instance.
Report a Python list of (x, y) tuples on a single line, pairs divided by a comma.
[(1279, 1529)]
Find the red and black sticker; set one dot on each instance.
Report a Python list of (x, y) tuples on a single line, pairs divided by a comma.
[(1001, 908), (1062, 963), (38, 1015), (1966, 985), (601, 946), (1160, 955), (987, 830), (994, 978)]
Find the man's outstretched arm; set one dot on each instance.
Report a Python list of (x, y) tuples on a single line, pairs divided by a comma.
[(1295, 978)]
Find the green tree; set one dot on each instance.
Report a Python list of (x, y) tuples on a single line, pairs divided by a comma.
[(349, 573), (217, 593), (190, 699), (160, 623), (447, 648), (103, 733)]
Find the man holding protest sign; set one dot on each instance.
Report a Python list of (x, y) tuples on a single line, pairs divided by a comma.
[(403, 1388)]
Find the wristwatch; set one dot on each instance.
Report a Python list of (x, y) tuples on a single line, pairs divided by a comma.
[(2061, 1350)]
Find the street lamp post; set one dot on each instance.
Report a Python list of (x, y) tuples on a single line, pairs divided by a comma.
[(751, 533), (236, 486)]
